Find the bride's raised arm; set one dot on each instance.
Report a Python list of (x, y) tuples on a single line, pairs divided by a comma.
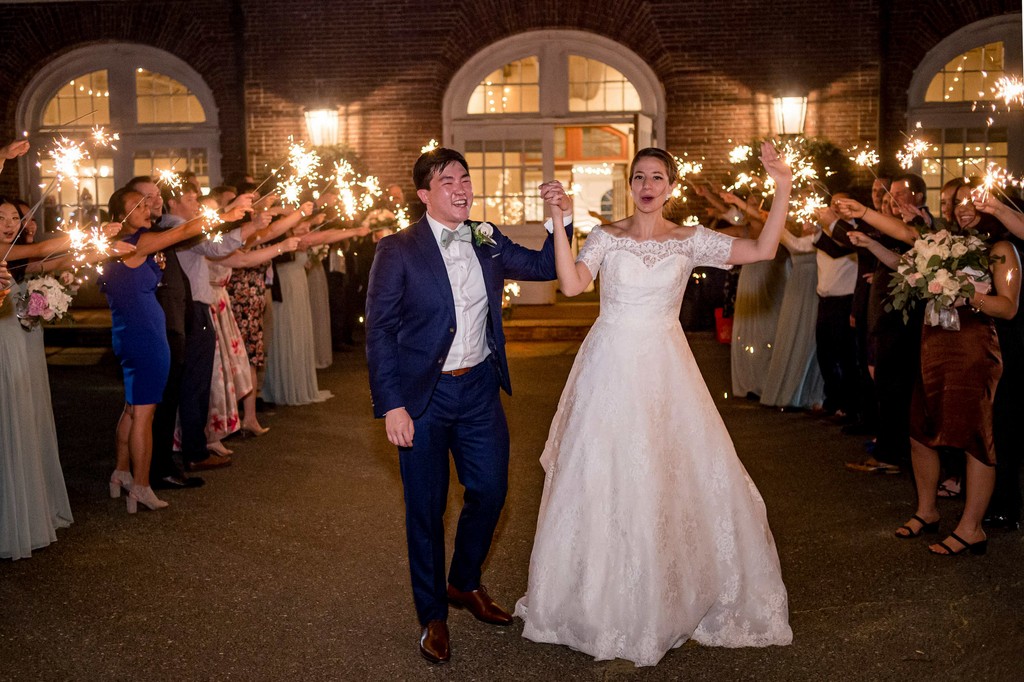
[(573, 278), (766, 244)]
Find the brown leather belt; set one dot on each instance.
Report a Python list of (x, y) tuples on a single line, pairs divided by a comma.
[(458, 372)]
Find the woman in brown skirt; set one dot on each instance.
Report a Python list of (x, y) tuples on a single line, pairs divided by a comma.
[(952, 403)]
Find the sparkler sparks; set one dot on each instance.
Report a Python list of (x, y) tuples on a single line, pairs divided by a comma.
[(806, 209), (429, 147), (305, 163), (170, 179), (1010, 90), (865, 158), (740, 153), (911, 150), (68, 157), (102, 138)]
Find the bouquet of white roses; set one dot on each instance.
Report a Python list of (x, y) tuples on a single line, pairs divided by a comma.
[(45, 299), (944, 269)]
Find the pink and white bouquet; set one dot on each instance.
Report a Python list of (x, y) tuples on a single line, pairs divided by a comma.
[(944, 269), (45, 299)]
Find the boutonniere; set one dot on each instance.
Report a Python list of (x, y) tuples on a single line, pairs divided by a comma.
[(483, 233)]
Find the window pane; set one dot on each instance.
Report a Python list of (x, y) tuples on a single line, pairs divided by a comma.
[(150, 162), (161, 99), (85, 202), (84, 100), (505, 182), (512, 89), (959, 152), (595, 86), (970, 77)]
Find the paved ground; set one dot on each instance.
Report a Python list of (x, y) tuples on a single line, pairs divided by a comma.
[(291, 564)]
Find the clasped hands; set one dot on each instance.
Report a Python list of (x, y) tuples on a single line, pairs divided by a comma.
[(555, 196)]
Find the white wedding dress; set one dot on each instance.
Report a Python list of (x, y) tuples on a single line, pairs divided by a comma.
[(650, 531)]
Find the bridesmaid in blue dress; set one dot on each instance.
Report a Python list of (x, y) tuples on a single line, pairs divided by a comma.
[(33, 497), (140, 341), (794, 378)]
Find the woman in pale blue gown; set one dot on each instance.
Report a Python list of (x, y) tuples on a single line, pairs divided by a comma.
[(320, 308), (794, 378), (291, 352), (33, 497), (755, 319)]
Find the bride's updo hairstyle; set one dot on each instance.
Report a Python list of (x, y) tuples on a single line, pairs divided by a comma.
[(672, 172)]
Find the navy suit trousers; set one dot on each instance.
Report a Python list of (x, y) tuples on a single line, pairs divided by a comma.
[(464, 417)]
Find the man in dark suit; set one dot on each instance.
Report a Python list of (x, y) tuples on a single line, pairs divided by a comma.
[(436, 354)]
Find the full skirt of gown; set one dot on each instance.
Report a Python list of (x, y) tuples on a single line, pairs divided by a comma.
[(758, 301), (650, 532), (794, 376), (320, 307), (33, 497), (291, 353)]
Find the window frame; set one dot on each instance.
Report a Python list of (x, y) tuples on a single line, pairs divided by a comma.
[(120, 60), (958, 115)]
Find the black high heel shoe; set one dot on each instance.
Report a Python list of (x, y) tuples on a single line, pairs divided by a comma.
[(926, 527), (977, 548)]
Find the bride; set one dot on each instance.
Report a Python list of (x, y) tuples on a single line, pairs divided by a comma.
[(650, 531)]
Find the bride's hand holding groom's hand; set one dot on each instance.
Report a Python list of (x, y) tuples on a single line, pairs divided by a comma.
[(554, 196), (399, 427)]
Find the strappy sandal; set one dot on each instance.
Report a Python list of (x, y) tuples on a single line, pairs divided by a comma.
[(977, 548), (926, 527), (948, 491)]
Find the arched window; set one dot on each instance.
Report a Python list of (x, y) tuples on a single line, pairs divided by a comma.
[(952, 105), (552, 104), (159, 106)]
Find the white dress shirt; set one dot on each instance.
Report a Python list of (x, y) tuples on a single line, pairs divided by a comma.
[(469, 347), (193, 260), (836, 276)]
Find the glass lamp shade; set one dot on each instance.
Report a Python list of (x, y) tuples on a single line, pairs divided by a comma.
[(790, 113), (322, 126)]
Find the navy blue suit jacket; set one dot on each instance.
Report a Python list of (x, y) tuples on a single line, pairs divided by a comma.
[(410, 311)]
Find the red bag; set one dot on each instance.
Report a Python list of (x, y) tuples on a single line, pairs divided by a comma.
[(723, 326)]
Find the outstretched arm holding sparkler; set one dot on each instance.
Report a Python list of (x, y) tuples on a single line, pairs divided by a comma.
[(248, 259), (279, 226), (333, 235), (1013, 220), (38, 249), (69, 261), (890, 259), (897, 229), (12, 150)]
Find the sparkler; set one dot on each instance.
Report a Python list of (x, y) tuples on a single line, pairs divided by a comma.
[(1010, 90), (102, 138), (68, 157), (429, 147), (911, 150), (170, 178), (211, 220), (806, 209), (995, 179), (740, 153)]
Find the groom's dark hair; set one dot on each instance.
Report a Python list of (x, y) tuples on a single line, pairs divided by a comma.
[(433, 162)]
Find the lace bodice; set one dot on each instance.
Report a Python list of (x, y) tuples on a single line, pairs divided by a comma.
[(646, 280)]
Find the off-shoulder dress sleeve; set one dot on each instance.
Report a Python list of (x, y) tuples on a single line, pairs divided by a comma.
[(711, 249), (592, 253)]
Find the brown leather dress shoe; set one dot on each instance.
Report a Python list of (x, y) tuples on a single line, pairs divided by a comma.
[(211, 462), (434, 643), (480, 604)]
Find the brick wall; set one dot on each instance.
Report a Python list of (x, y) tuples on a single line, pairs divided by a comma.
[(388, 63)]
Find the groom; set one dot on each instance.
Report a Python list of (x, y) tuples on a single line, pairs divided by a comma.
[(436, 355)]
